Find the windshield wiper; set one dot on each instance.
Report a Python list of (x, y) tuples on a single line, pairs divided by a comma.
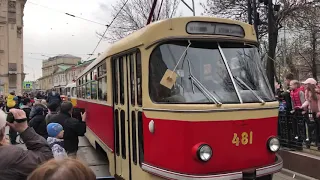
[(190, 73), (248, 87), (204, 90)]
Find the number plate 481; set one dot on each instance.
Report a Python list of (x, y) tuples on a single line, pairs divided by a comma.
[(245, 138)]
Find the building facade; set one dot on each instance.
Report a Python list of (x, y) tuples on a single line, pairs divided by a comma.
[(11, 46), (65, 75), (52, 65)]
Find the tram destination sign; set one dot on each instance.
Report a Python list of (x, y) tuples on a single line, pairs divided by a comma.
[(212, 28)]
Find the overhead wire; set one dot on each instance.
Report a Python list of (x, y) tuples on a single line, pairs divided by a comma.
[(104, 33), (66, 13), (39, 53)]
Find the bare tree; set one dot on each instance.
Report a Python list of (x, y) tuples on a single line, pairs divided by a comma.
[(134, 16), (237, 9), (307, 23)]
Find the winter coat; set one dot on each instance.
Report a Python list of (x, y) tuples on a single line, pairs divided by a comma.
[(39, 125), (10, 101), (53, 98), (38, 121), (17, 163), (313, 105), (49, 116), (297, 98), (72, 129), (57, 148)]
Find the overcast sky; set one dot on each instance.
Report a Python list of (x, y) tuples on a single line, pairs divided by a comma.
[(48, 32)]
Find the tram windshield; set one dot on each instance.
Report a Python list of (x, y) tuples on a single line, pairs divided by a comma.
[(203, 75)]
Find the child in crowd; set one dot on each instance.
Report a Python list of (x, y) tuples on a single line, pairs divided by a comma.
[(296, 94), (55, 140), (312, 96)]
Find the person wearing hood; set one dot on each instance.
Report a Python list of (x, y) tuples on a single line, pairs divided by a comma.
[(38, 122), (11, 102), (17, 163)]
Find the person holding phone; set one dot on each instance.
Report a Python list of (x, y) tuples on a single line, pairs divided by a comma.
[(72, 127), (17, 163)]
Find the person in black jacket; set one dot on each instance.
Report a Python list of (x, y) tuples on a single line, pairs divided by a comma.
[(53, 97), (72, 127), (38, 122), (26, 107)]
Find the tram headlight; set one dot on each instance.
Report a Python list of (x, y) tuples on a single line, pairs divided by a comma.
[(204, 152), (274, 144)]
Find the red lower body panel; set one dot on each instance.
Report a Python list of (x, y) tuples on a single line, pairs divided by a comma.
[(170, 146), (100, 121)]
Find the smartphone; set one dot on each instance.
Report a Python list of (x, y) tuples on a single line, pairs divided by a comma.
[(76, 113)]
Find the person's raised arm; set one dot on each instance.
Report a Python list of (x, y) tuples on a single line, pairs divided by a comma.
[(32, 140)]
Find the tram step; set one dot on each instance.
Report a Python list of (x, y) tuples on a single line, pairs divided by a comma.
[(301, 162)]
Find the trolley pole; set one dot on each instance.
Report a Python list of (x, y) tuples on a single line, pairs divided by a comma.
[(193, 9), (249, 11), (152, 11), (255, 18)]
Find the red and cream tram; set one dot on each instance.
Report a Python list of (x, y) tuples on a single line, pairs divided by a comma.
[(183, 98)]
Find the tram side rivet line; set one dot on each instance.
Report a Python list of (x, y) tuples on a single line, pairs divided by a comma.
[(151, 126)]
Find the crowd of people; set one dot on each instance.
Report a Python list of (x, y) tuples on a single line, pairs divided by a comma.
[(300, 101), (50, 133)]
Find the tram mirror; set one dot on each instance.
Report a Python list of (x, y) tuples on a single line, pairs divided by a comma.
[(169, 79)]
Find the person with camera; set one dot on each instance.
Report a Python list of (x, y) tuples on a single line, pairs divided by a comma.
[(17, 163)]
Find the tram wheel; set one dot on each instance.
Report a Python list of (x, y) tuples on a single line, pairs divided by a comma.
[(267, 177)]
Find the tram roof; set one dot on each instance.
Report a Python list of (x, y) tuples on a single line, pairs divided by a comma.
[(166, 28)]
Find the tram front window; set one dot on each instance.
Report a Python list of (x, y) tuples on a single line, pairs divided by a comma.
[(202, 61), (202, 74), (244, 62)]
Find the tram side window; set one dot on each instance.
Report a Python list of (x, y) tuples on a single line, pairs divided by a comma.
[(103, 88), (116, 79), (83, 95), (121, 80), (102, 80), (94, 85), (79, 88), (139, 78), (88, 94), (132, 81), (73, 92)]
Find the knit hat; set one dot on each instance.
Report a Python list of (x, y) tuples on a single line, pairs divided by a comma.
[(54, 129), (310, 81), (3, 119)]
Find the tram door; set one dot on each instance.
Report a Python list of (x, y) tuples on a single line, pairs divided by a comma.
[(125, 114)]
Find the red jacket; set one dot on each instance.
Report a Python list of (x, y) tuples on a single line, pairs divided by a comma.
[(295, 96)]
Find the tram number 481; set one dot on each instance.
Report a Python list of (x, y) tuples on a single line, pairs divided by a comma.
[(245, 138)]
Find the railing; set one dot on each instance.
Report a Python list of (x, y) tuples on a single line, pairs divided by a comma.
[(298, 130)]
